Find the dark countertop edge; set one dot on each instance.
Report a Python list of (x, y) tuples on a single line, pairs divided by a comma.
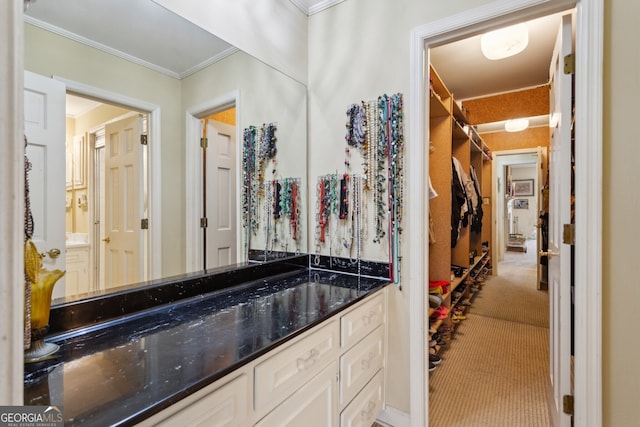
[(182, 394), (93, 311)]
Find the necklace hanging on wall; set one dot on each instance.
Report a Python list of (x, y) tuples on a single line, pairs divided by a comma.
[(250, 187), (396, 178), (267, 150), (289, 206), (380, 180)]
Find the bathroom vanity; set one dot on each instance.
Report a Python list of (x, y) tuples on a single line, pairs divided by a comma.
[(265, 345)]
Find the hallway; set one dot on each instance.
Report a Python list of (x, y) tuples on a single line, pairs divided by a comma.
[(495, 369)]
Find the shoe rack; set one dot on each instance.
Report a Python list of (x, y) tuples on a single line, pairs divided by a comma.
[(451, 136)]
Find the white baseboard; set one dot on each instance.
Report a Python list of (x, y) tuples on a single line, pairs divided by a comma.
[(392, 417)]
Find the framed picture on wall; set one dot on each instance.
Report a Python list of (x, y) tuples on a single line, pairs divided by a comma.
[(521, 204), (522, 187)]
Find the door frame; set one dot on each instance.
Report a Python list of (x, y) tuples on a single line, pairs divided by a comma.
[(497, 214), (588, 247), (193, 178), (152, 269)]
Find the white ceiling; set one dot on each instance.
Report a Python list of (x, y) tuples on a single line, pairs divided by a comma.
[(468, 74), (137, 30)]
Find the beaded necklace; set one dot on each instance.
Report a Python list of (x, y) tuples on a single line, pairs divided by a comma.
[(250, 209), (268, 149), (356, 126), (268, 205), (289, 209), (396, 164), (372, 138), (380, 176)]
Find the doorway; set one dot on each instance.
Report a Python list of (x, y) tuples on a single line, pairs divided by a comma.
[(212, 216), (107, 196), (588, 384), (219, 172)]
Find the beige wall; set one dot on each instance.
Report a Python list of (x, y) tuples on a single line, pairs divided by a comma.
[(621, 234)]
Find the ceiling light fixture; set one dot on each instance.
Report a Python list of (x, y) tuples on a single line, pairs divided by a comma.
[(505, 42), (516, 125)]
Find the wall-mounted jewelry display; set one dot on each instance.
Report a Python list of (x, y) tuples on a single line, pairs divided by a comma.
[(281, 206), (340, 222), (271, 205), (375, 130)]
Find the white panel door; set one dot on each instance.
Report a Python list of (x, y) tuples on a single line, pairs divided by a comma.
[(44, 123), (221, 195), (123, 181), (560, 214)]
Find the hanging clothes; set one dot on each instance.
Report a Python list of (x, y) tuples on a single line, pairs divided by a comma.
[(459, 201), (476, 219), (432, 194)]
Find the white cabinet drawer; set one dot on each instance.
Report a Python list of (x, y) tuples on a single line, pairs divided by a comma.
[(359, 364), (288, 369), (366, 406), (224, 407), (313, 405), (361, 321)]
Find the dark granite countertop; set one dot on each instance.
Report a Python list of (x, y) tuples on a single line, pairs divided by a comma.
[(125, 370)]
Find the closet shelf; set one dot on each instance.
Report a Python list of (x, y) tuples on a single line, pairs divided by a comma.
[(437, 106), (452, 136)]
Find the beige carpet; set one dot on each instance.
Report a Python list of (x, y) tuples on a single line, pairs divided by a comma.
[(494, 371)]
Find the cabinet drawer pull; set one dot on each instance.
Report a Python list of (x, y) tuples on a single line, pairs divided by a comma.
[(304, 363), (366, 363), (368, 319), (366, 414)]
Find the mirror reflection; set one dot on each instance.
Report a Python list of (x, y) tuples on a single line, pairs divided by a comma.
[(185, 197)]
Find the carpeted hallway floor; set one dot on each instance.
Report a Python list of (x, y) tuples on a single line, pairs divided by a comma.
[(494, 371)]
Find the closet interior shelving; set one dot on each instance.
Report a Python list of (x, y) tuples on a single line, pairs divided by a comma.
[(452, 136)]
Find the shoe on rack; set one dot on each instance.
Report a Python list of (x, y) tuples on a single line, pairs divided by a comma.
[(435, 300), (458, 317), (434, 359), (432, 367)]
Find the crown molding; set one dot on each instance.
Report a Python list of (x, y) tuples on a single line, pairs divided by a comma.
[(315, 7)]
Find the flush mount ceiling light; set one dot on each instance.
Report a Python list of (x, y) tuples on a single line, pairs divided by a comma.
[(516, 125), (505, 42)]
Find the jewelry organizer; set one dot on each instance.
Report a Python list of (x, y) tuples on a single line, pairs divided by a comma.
[(270, 204), (344, 201)]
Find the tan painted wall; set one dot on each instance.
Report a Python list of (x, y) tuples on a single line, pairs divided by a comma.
[(621, 233)]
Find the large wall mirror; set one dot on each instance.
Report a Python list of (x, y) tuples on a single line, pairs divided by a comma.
[(253, 202)]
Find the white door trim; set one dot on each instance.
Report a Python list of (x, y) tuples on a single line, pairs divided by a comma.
[(154, 236), (496, 252), (12, 201), (193, 178), (588, 261)]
